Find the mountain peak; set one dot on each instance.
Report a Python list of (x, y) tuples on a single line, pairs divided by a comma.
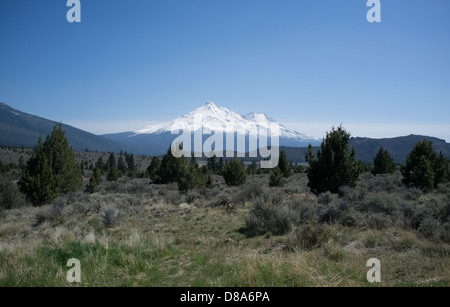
[(4, 106), (217, 119), (209, 104), (210, 108)]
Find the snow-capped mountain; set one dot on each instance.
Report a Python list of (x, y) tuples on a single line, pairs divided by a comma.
[(207, 116), (155, 139), (219, 119)]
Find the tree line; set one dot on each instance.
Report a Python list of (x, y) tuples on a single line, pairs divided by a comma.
[(52, 169)]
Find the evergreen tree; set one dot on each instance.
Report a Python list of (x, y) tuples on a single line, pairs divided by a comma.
[(38, 182), (191, 177), (252, 168), (51, 170), (441, 170), (102, 166), (95, 180), (113, 174), (153, 169), (220, 165), (121, 166), (171, 168), (284, 166), (62, 159), (131, 165), (234, 173), (208, 179), (424, 174), (383, 163), (212, 164), (335, 165), (188, 175), (424, 169), (276, 178)]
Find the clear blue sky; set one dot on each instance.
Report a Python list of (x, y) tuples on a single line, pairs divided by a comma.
[(303, 62)]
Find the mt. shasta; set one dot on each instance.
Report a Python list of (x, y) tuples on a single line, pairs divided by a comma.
[(156, 139)]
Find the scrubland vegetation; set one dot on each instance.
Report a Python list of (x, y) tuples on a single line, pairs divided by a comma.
[(132, 233), (267, 229)]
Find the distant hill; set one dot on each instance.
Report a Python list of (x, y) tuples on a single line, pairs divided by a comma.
[(398, 147), (367, 148), (21, 129)]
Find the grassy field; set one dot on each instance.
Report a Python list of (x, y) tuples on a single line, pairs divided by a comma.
[(132, 233)]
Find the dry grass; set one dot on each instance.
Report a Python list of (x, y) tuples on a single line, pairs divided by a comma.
[(161, 239)]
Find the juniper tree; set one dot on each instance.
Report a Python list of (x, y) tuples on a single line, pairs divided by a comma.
[(192, 176), (220, 165), (131, 165), (252, 168), (113, 174), (52, 169), (424, 169), (441, 170), (276, 178), (171, 167), (234, 173), (186, 174), (383, 163), (38, 182), (212, 164), (284, 165), (95, 180), (153, 169), (335, 165), (121, 166), (62, 158), (102, 166)]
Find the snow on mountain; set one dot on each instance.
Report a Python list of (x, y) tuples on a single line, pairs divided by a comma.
[(208, 116), (219, 119), (263, 119)]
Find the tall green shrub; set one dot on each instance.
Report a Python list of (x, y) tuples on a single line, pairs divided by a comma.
[(51, 170), (153, 169), (284, 165), (188, 175), (335, 165), (424, 169), (383, 163), (276, 178), (113, 173), (234, 173)]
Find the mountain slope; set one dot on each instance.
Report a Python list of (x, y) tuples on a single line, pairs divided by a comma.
[(21, 129), (399, 147), (156, 139)]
